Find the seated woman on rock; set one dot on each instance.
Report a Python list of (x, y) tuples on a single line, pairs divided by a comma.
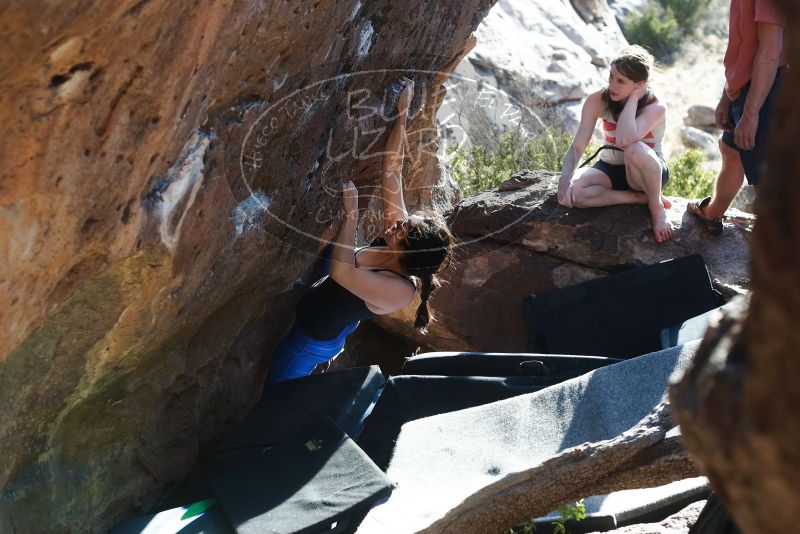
[(370, 281), (631, 168)]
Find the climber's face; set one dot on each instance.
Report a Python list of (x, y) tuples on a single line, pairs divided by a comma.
[(620, 87), (396, 236)]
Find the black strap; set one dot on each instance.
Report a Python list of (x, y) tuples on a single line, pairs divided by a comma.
[(604, 147), (410, 281)]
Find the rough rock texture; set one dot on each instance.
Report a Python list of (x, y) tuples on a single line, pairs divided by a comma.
[(677, 523), (696, 138), (623, 8), (521, 241), (701, 116), (167, 169), (746, 198)]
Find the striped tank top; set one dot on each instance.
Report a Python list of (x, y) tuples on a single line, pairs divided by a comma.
[(653, 139)]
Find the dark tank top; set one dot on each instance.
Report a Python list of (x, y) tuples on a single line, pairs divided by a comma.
[(327, 308)]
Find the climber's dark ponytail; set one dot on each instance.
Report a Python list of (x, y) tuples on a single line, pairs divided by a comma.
[(430, 283), (428, 252)]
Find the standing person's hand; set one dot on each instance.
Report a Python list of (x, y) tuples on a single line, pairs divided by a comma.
[(722, 115), (745, 133), (405, 97), (350, 199)]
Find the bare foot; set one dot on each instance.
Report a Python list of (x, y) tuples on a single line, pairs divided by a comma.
[(662, 228), (666, 202)]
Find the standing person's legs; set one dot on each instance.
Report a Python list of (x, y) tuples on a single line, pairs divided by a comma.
[(754, 160), (736, 163), (726, 186), (645, 174)]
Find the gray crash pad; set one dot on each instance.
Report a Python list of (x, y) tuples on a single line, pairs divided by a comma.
[(621, 508), (691, 329), (441, 460)]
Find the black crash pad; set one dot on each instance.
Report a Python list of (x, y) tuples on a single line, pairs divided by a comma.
[(345, 396), (551, 368), (621, 315), (288, 408), (714, 519), (307, 484)]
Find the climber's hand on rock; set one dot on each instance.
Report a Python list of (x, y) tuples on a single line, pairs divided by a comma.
[(405, 97), (350, 199)]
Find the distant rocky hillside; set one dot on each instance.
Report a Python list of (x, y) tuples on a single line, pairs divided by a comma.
[(552, 74), (537, 52)]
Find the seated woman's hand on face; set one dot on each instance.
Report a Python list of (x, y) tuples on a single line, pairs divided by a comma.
[(639, 91)]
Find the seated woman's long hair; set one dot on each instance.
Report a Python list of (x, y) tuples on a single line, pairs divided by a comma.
[(636, 64)]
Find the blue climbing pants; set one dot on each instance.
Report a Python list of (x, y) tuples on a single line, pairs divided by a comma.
[(298, 353)]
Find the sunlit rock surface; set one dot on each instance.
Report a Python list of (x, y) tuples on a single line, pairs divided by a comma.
[(532, 53), (169, 171)]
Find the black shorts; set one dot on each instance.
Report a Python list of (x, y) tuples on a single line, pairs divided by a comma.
[(753, 160), (619, 180)]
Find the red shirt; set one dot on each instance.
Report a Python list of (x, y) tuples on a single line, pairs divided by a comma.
[(743, 40)]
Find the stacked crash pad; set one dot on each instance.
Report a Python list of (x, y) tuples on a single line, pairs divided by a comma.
[(621, 315), (442, 382), (454, 422), (439, 461), (291, 466), (266, 477)]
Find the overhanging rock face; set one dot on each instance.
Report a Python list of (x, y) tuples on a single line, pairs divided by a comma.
[(518, 241), (167, 169)]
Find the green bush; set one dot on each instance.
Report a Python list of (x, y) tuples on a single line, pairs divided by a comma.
[(685, 12), (576, 512), (655, 30), (662, 27), (688, 179), (480, 168)]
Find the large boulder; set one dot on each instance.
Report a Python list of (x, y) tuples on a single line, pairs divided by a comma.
[(532, 54), (518, 241), (701, 116), (168, 172), (696, 138), (565, 63)]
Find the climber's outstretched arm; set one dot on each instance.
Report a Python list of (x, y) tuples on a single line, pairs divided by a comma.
[(394, 207)]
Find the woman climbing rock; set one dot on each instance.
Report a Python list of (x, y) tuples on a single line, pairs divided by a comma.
[(375, 280)]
